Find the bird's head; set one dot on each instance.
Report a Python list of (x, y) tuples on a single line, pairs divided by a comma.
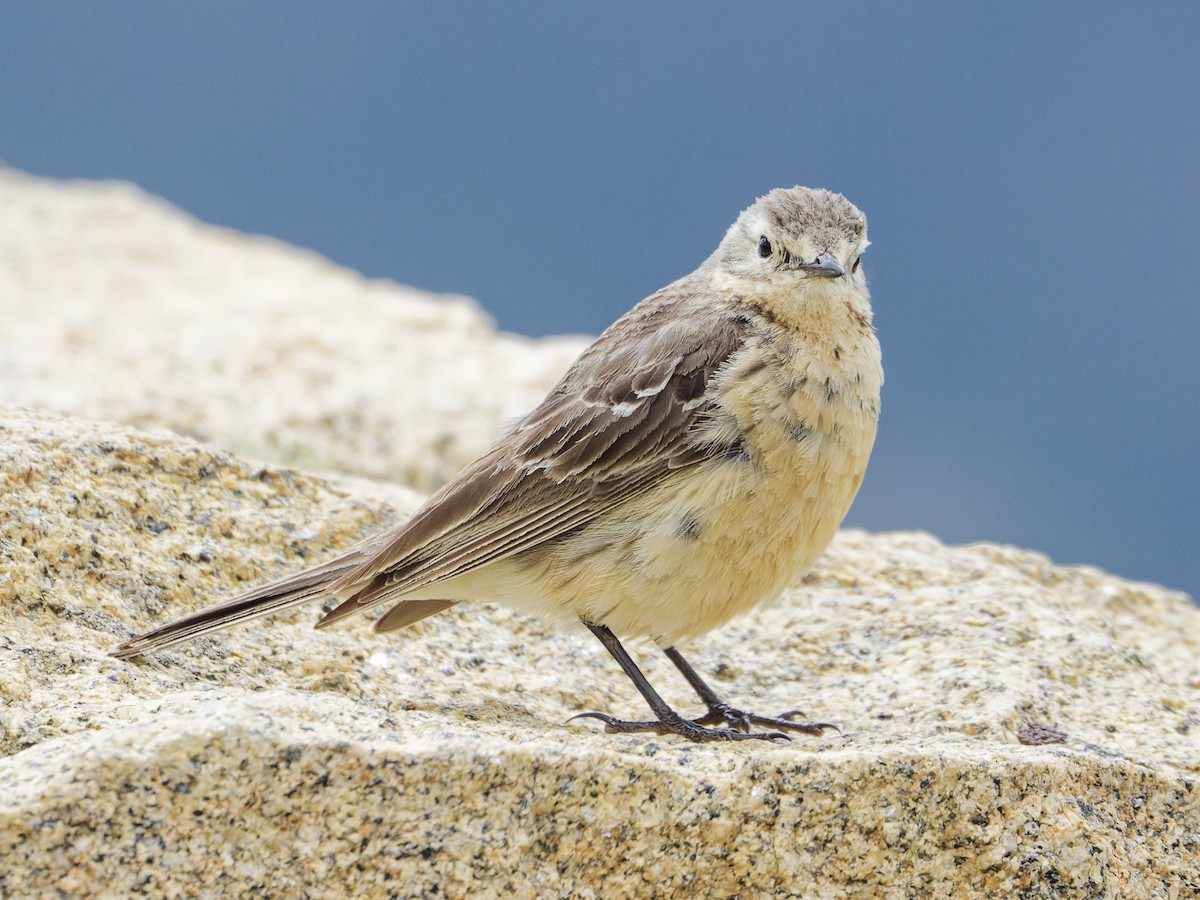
[(794, 237)]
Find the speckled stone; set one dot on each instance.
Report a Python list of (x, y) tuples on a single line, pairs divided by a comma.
[(278, 761), (117, 305)]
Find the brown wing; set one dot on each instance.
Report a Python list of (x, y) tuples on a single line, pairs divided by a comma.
[(619, 421)]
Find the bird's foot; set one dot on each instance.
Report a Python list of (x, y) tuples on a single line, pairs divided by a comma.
[(692, 729), (724, 714)]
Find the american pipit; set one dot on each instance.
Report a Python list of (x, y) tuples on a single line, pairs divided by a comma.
[(694, 460)]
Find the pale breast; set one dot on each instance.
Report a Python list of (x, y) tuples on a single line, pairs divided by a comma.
[(791, 434), (723, 536), (804, 423)]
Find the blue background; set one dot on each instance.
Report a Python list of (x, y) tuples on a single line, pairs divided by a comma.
[(1031, 173)]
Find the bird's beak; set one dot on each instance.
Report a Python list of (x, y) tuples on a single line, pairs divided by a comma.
[(825, 266)]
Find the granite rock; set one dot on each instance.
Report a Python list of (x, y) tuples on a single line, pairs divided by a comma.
[(117, 305), (1009, 727)]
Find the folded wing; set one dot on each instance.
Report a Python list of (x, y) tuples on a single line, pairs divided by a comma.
[(619, 422)]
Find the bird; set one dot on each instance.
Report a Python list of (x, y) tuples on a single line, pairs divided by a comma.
[(695, 460)]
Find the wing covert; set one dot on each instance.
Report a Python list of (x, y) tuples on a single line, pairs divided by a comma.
[(620, 420)]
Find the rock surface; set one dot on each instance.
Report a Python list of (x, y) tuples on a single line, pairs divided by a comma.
[(117, 305), (1009, 727), (275, 760)]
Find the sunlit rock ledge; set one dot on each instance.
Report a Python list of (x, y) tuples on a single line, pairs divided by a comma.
[(1008, 726)]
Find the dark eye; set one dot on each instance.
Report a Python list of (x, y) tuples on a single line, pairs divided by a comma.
[(764, 247), (854, 268)]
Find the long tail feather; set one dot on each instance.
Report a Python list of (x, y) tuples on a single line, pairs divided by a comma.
[(264, 600)]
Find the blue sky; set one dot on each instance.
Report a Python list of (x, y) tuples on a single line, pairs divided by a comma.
[(1031, 173)]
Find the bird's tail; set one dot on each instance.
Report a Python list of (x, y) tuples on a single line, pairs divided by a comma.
[(276, 596)]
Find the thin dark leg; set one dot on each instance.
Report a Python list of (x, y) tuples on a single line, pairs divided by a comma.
[(668, 721), (721, 713)]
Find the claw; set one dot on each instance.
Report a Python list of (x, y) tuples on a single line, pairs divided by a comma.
[(589, 715), (692, 729), (723, 714), (613, 725), (737, 723)]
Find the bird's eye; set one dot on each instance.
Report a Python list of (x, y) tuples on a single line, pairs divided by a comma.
[(764, 247), (854, 268)]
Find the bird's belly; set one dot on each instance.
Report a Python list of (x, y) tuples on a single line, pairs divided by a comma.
[(711, 542)]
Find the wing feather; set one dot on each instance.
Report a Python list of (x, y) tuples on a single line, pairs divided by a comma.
[(622, 419)]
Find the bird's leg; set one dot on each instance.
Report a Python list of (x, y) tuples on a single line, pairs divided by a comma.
[(721, 713), (668, 721)]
